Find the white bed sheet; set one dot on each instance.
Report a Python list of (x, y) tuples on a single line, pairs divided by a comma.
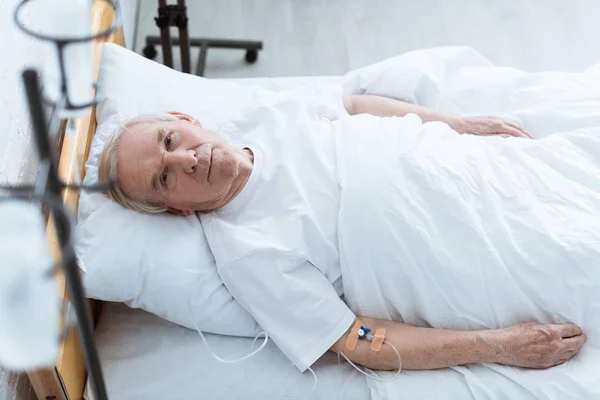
[(278, 84), (146, 357)]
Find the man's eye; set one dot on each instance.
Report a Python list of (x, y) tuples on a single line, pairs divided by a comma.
[(163, 178), (168, 141)]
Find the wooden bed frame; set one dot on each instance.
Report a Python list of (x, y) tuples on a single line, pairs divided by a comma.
[(66, 381)]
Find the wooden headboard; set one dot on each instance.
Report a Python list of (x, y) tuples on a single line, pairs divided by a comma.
[(66, 381)]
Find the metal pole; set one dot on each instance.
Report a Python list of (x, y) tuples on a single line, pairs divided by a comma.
[(202, 59), (165, 35), (182, 24), (70, 268), (210, 42)]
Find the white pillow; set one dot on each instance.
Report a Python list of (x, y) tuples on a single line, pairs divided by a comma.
[(160, 263)]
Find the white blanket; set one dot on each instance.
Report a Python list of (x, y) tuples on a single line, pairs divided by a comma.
[(455, 231)]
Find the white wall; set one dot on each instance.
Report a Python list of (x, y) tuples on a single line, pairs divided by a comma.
[(332, 37), (129, 8)]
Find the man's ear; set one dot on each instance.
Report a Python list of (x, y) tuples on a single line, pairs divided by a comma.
[(185, 117), (183, 213)]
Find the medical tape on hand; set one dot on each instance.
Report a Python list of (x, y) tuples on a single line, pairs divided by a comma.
[(352, 339), (378, 339)]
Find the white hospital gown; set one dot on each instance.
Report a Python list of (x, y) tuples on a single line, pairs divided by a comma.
[(276, 243)]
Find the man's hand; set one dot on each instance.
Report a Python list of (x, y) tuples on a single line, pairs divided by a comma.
[(385, 107), (529, 345), (489, 126), (533, 345)]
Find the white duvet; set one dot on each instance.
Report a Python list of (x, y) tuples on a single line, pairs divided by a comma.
[(456, 231)]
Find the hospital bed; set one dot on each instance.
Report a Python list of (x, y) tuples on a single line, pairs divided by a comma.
[(145, 357)]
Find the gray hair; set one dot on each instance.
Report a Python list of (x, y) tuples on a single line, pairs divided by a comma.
[(107, 165)]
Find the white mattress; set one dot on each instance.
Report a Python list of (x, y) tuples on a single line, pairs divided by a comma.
[(146, 357)]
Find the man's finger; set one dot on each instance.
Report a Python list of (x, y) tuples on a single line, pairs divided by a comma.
[(561, 361), (520, 128), (529, 135), (574, 343), (568, 330), (513, 131), (566, 356)]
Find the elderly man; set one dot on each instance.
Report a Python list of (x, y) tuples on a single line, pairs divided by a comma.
[(269, 206)]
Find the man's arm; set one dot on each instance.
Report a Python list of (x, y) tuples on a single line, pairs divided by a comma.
[(526, 345), (386, 107)]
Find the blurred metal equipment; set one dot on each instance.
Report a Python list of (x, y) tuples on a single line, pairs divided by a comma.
[(176, 15), (68, 90)]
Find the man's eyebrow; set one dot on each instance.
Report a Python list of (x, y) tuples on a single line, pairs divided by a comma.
[(161, 133), (155, 178)]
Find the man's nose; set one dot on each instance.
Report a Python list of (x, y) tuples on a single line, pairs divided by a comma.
[(184, 159)]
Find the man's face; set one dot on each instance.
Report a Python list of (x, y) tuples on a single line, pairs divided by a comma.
[(178, 164)]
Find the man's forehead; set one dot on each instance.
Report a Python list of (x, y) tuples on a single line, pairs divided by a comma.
[(144, 127)]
